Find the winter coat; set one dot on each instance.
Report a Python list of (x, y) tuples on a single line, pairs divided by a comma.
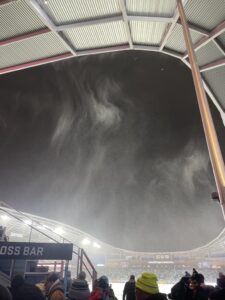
[(218, 295), (79, 290), (56, 291), (129, 290), (201, 294), (158, 296), (27, 292)]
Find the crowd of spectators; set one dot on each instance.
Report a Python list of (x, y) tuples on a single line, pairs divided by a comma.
[(189, 287)]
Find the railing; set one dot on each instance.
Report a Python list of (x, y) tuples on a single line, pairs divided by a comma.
[(83, 261)]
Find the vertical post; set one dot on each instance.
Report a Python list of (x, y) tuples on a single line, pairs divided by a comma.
[(66, 277), (208, 125), (78, 262), (12, 269), (30, 233), (81, 260)]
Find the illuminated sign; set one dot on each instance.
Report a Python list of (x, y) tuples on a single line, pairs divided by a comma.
[(35, 251)]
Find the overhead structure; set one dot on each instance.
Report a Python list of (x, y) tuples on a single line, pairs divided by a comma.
[(36, 32), (38, 229)]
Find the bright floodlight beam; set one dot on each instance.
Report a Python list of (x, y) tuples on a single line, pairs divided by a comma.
[(208, 125)]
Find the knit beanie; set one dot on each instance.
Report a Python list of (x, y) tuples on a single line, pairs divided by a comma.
[(103, 282), (147, 282)]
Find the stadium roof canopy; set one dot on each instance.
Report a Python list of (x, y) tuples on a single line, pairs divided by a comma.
[(24, 227), (35, 32)]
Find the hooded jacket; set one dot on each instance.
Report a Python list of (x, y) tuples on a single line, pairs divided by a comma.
[(79, 290)]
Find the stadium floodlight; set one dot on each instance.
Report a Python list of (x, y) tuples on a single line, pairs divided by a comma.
[(86, 242), (28, 222), (59, 230), (5, 217), (96, 245), (100, 265)]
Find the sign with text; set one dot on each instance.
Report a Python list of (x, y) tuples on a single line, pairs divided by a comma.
[(35, 251)]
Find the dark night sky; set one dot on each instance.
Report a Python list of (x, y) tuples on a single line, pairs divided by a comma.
[(112, 144)]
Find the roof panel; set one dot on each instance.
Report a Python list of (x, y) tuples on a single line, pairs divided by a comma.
[(176, 40), (97, 36), (205, 13), (216, 80), (221, 38), (17, 18), (37, 47), (164, 8), (147, 33), (66, 11), (208, 54)]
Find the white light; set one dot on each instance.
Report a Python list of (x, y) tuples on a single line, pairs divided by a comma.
[(15, 234), (100, 265), (40, 227), (5, 217), (86, 242), (96, 245), (28, 222), (59, 230)]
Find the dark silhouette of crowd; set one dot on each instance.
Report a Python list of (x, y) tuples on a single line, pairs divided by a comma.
[(189, 287)]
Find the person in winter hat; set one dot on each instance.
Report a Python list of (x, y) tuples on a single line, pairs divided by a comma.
[(79, 289), (54, 288), (147, 288)]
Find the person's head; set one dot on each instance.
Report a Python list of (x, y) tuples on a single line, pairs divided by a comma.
[(51, 279), (17, 282), (103, 282), (146, 285), (196, 281), (132, 277), (221, 281), (82, 275)]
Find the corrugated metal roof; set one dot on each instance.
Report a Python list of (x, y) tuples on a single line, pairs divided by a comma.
[(216, 80), (205, 13), (164, 8), (97, 36), (222, 39), (176, 40), (208, 53), (37, 47), (17, 18), (71, 11), (147, 33)]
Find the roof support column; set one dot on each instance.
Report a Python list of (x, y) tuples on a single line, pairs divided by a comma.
[(208, 125)]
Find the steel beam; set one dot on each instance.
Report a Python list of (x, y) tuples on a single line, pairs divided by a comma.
[(123, 8), (102, 50), (213, 65), (208, 125), (205, 40), (170, 27), (49, 23), (24, 36), (150, 19), (172, 53), (89, 22), (146, 48), (195, 28), (35, 63), (219, 46), (211, 95)]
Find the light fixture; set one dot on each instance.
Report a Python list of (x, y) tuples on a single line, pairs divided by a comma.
[(58, 230), (86, 241), (28, 222), (96, 245), (5, 217)]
